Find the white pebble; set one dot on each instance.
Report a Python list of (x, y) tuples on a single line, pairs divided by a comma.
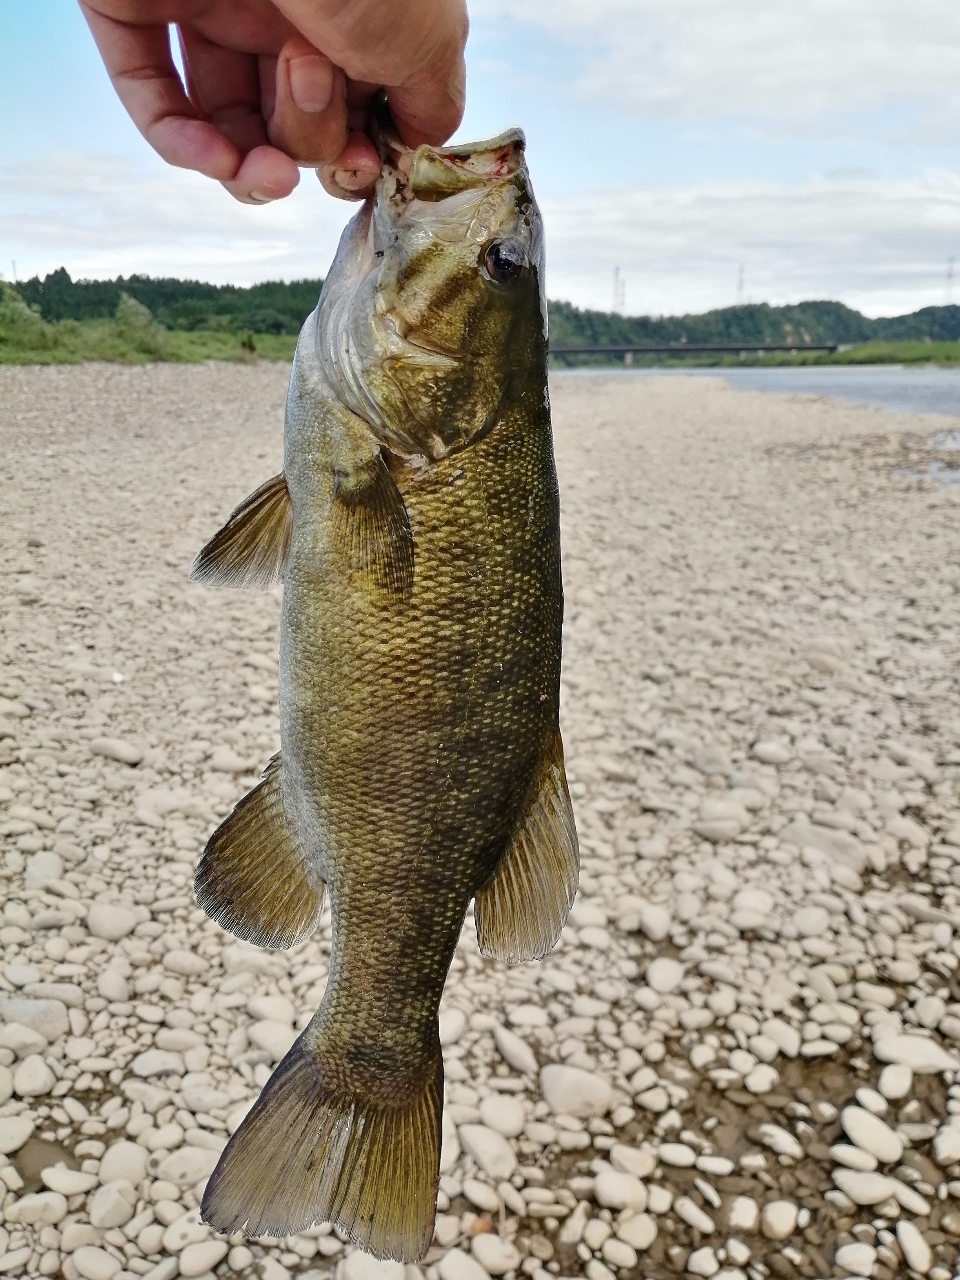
[(503, 1113), (33, 1078), (703, 1262), (614, 1190), (778, 1219), (664, 974), (871, 1134), (921, 1054), (857, 1258), (916, 1252), (494, 1254), (110, 922), (638, 1231), (492, 1152), (575, 1092), (895, 1081)]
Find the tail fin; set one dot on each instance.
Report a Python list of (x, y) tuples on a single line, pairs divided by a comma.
[(311, 1151)]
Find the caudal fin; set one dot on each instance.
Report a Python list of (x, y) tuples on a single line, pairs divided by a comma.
[(313, 1151)]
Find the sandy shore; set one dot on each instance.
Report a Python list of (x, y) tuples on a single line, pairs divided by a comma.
[(740, 1060)]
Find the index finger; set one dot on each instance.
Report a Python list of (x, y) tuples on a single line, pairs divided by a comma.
[(141, 68)]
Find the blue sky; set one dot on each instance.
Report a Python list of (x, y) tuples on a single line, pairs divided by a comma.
[(816, 146)]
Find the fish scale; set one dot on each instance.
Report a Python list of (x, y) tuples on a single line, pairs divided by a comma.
[(415, 529)]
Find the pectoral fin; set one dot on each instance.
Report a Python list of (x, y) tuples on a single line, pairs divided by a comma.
[(252, 547), (370, 528), (252, 878), (524, 905)]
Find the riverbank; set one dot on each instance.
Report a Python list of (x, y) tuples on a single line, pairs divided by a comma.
[(742, 1060)]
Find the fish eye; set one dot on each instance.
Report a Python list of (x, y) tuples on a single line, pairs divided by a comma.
[(503, 262)]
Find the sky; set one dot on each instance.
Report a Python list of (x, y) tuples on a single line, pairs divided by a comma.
[(711, 151)]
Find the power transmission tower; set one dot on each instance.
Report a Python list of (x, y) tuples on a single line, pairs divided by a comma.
[(619, 290)]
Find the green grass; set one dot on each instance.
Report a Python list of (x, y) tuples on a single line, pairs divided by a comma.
[(131, 337)]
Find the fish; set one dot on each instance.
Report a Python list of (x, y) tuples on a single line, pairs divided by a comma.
[(415, 530)]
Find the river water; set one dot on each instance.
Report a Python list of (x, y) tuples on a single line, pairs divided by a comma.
[(899, 388)]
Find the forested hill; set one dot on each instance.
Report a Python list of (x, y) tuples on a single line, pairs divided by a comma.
[(278, 307), (273, 307), (753, 322)]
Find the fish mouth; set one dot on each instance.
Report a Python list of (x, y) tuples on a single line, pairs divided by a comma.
[(434, 173)]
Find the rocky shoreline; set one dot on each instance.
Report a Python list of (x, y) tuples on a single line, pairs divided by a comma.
[(742, 1060)]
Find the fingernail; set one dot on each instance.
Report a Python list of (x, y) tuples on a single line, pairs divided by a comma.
[(259, 197), (311, 83)]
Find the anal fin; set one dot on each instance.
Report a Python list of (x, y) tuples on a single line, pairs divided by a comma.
[(252, 547), (252, 878), (370, 529), (522, 908)]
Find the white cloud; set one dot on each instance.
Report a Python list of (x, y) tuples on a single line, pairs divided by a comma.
[(101, 217), (881, 246), (782, 64), (878, 244)]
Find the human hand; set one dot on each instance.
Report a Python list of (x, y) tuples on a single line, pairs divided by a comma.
[(274, 85)]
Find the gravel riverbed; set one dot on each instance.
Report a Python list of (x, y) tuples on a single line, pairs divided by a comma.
[(742, 1060)]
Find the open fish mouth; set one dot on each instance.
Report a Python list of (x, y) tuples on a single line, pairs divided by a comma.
[(417, 301)]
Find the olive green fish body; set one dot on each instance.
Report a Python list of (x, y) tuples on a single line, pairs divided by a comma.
[(415, 528), (417, 730)]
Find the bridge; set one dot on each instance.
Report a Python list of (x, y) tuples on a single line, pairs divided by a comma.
[(697, 348)]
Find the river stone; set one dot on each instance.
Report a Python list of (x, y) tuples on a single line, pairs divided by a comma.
[(106, 920), (33, 1078), (41, 867), (23, 1041), (41, 1208), (615, 1190), (362, 1266), (514, 1050), (573, 1091), (124, 1162), (921, 1054), (116, 749), (638, 1231), (69, 1182), (196, 1259), (47, 1017), (273, 1037), (778, 1219), (864, 1188), (857, 1258), (158, 1062), (457, 1265), (503, 1113), (113, 1204), (14, 1132), (916, 1252), (495, 1255), (664, 975), (871, 1134), (453, 1023), (187, 1165), (187, 963), (492, 1152), (94, 1263)]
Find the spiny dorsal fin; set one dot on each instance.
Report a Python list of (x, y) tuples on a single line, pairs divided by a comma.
[(522, 908), (252, 878), (313, 1149), (370, 529), (252, 547)]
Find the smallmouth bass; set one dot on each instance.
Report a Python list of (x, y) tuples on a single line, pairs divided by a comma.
[(415, 529)]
